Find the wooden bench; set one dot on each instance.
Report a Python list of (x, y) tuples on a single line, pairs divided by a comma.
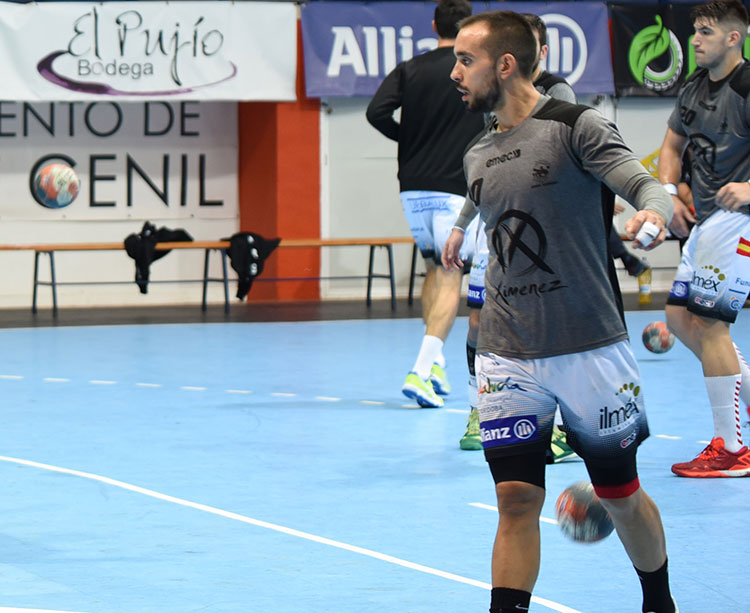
[(217, 245)]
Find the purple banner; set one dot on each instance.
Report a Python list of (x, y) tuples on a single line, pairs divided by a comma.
[(349, 47)]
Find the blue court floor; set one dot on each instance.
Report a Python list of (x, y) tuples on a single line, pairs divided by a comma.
[(276, 467)]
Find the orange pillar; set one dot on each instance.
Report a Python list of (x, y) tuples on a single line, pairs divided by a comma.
[(279, 186)]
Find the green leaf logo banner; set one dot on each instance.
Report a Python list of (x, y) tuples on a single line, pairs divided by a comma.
[(650, 44)]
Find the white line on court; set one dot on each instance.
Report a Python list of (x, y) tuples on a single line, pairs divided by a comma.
[(148, 384), (238, 391), (277, 528), (668, 437), (283, 394), (14, 378), (55, 380), (373, 402), (16, 610), (193, 388), (456, 411), (328, 398), (102, 382), (489, 507)]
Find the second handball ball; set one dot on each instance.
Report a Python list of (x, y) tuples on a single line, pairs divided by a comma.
[(56, 185), (657, 338)]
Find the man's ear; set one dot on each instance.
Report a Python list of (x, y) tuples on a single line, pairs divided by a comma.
[(506, 65), (434, 27), (734, 38)]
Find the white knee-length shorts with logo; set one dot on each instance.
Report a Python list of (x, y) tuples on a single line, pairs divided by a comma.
[(431, 217), (475, 297), (713, 278), (598, 391)]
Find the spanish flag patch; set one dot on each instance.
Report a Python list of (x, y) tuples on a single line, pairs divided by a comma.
[(744, 247)]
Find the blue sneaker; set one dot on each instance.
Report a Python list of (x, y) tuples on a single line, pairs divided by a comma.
[(422, 391)]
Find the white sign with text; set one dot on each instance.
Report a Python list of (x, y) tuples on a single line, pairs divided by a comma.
[(148, 50)]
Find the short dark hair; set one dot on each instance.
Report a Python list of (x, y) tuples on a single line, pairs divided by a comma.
[(536, 22), (509, 32), (723, 12), (447, 15)]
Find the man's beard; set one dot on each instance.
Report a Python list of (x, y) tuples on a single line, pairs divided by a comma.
[(489, 101)]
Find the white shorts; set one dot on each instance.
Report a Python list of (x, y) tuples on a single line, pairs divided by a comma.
[(598, 391), (713, 278), (475, 297), (431, 217)]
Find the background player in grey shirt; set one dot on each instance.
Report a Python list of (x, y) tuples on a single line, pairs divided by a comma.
[(711, 285), (551, 328)]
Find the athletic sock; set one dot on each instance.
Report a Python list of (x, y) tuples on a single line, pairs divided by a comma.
[(472, 392), (723, 394), (440, 359), (655, 586), (745, 374), (508, 600), (431, 347)]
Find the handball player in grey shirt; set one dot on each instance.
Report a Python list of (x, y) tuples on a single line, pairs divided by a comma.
[(552, 327), (711, 285)]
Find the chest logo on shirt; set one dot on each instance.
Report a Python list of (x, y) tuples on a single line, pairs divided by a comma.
[(540, 174), (501, 159), (704, 152), (519, 238)]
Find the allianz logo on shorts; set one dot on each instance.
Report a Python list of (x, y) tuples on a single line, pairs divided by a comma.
[(475, 293), (508, 431)]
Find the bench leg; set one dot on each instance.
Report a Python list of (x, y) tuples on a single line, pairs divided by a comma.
[(53, 282), (369, 276), (225, 279), (36, 282), (392, 277), (205, 278), (412, 274)]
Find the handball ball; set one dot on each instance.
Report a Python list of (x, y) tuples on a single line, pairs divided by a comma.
[(657, 337), (581, 515), (56, 185)]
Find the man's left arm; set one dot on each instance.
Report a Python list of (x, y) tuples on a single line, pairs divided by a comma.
[(632, 182), (385, 102), (603, 153)]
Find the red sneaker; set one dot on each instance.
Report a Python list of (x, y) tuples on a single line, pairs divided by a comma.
[(716, 461)]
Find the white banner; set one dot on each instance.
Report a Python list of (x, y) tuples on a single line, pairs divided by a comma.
[(140, 161), (148, 50)]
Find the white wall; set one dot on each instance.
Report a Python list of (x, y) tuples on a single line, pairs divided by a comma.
[(360, 188), (195, 131)]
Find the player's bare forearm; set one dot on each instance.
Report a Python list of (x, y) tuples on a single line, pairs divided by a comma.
[(733, 196), (451, 256), (670, 157), (682, 219)]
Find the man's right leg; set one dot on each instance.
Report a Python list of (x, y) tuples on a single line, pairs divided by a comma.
[(517, 551)]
